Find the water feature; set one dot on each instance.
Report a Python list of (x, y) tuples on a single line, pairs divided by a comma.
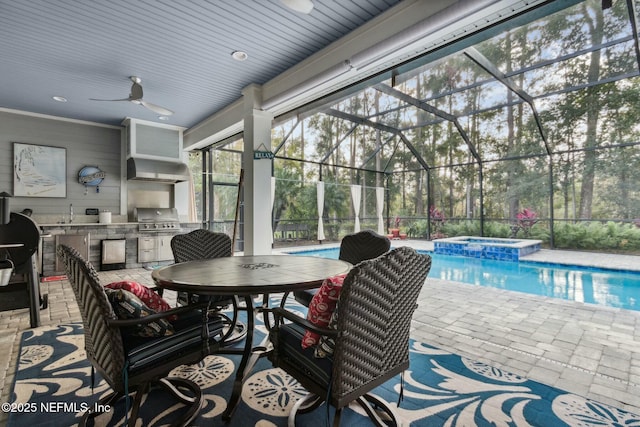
[(482, 247)]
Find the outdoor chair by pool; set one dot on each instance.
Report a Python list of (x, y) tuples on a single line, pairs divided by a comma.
[(370, 338), (204, 244), (132, 354), (356, 247)]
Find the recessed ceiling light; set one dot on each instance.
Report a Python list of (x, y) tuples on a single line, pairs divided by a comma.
[(163, 118), (60, 98), (239, 55), (302, 6)]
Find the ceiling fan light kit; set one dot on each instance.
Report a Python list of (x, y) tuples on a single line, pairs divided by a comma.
[(302, 6), (136, 97)]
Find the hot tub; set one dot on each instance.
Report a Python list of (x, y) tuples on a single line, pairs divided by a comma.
[(486, 247)]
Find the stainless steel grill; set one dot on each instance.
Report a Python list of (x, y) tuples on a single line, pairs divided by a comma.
[(158, 219)]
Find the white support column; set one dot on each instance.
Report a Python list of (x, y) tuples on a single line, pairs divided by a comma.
[(257, 174)]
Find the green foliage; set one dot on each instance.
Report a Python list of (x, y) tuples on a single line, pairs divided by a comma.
[(472, 228), (540, 233), (610, 236), (418, 229), (496, 229), (597, 236), (461, 228)]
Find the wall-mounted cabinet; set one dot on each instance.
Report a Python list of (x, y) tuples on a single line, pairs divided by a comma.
[(153, 140)]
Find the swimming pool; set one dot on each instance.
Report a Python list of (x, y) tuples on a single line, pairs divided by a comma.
[(611, 288)]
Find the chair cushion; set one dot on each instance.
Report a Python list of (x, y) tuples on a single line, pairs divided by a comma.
[(148, 296), (128, 306), (145, 353), (303, 360), (322, 306)]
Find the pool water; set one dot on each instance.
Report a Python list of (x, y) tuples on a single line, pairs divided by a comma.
[(611, 288)]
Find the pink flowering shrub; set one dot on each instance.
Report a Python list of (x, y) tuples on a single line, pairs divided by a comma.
[(437, 219), (526, 219)]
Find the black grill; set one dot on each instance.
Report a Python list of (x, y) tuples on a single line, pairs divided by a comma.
[(23, 289)]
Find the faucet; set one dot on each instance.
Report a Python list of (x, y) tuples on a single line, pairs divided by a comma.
[(71, 213)]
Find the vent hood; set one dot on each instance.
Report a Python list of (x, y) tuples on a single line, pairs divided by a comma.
[(156, 170)]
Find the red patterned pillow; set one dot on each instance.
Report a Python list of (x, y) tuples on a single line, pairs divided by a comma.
[(148, 296), (128, 306), (322, 306)]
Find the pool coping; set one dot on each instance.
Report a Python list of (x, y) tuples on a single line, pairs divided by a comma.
[(495, 241)]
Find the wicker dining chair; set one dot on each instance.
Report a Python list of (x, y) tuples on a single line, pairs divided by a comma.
[(205, 244), (371, 336), (355, 247), (130, 362)]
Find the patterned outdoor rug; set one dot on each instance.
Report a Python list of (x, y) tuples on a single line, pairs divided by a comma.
[(441, 389)]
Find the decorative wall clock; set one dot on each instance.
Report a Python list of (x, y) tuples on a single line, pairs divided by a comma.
[(91, 176)]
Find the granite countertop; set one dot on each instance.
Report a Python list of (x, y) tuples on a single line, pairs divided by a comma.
[(94, 224), (86, 224)]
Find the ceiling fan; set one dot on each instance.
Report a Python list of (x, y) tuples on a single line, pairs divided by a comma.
[(136, 97)]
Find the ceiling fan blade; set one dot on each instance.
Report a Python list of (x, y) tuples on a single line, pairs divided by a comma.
[(136, 97), (123, 99), (156, 108)]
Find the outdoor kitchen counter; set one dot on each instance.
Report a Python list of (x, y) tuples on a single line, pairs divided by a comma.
[(96, 233), (84, 224)]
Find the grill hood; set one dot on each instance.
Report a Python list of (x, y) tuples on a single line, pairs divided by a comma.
[(156, 170)]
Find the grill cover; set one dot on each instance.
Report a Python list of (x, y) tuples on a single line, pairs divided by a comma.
[(157, 215)]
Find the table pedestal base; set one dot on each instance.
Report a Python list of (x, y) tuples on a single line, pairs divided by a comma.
[(250, 356)]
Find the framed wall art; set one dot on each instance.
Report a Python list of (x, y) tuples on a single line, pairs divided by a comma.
[(39, 171)]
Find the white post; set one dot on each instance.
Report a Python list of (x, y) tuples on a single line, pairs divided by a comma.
[(356, 193), (380, 208), (320, 201), (257, 174)]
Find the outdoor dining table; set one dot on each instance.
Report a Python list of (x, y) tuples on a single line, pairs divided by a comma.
[(247, 276)]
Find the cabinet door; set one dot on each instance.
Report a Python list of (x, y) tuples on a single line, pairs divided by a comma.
[(154, 248), (164, 249), (79, 242)]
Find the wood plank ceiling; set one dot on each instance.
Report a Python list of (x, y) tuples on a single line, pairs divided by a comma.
[(180, 49)]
